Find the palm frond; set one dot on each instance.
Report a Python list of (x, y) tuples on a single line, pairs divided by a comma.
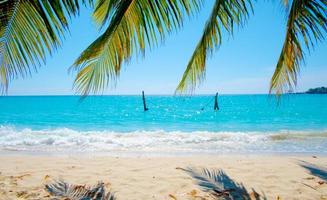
[(307, 24), (28, 30), (78, 192), (133, 26), (225, 14)]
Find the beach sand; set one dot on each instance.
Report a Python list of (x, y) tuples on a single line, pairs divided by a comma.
[(277, 176)]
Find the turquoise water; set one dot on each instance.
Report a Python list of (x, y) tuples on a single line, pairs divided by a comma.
[(255, 123)]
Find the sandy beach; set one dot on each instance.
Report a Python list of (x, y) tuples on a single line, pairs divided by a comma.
[(163, 100), (271, 176)]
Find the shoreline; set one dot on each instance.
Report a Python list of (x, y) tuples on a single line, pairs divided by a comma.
[(143, 154), (160, 178)]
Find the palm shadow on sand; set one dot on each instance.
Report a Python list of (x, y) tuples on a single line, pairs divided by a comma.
[(315, 170), (220, 186), (64, 190)]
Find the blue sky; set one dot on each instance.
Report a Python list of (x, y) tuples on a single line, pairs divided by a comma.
[(242, 65)]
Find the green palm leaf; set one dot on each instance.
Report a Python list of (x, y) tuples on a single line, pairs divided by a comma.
[(306, 25), (133, 26), (29, 29), (225, 14)]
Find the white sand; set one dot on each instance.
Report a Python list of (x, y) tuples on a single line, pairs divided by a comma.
[(24, 176)]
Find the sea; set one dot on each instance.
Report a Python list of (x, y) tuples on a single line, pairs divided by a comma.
[(173, 125)]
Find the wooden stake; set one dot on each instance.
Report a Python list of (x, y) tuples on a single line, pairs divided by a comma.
[(144, 104), (216, 107)]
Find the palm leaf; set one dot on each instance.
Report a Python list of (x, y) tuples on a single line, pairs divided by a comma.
[(133, 26), (225, 14), (79, 192), (307, 23), (28, 31)]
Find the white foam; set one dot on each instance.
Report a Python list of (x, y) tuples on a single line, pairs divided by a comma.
[(68, 140)]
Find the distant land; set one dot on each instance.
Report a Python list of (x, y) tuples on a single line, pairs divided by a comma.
[(318, 90)]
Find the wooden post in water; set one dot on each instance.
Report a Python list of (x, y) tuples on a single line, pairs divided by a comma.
[(216, 107), (144, 104)]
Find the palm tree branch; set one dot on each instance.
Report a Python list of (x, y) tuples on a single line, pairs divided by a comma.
[(28, 31), (224, 15), (307, 23), (133, 26)]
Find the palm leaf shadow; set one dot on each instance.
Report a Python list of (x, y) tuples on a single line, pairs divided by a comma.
[(315, 170), (220, 186), (78, 192)]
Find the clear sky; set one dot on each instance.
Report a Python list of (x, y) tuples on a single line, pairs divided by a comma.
[(244, 63)]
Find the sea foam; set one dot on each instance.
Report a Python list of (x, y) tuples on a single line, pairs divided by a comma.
[(174, 142)]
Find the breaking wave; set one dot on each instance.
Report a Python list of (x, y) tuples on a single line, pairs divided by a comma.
[(173, 142)]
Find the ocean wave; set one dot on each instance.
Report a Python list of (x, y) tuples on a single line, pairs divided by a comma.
[(69, 140)]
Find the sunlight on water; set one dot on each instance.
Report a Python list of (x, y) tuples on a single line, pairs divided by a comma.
[(244, 123)]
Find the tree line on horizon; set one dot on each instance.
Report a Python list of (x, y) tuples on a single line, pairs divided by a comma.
[(30, 29)]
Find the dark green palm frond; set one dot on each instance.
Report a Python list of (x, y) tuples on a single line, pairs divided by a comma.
[(225, 14), (307, 24), (28, 30), (78, 192), (133, 26)]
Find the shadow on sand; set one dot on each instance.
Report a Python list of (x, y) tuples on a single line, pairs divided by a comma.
[(220, 186), (314, 170), (78, 192)]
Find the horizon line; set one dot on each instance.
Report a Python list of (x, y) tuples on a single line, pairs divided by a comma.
[(178, 95)]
